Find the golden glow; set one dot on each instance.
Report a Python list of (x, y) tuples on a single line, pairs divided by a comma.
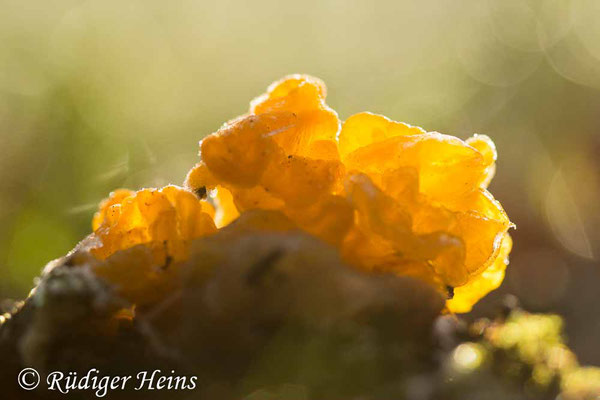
[(468, 357)]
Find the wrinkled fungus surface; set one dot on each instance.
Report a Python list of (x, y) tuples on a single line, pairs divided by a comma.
[(389, 196)]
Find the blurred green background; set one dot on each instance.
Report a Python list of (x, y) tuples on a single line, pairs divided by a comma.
[(96, 95)]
